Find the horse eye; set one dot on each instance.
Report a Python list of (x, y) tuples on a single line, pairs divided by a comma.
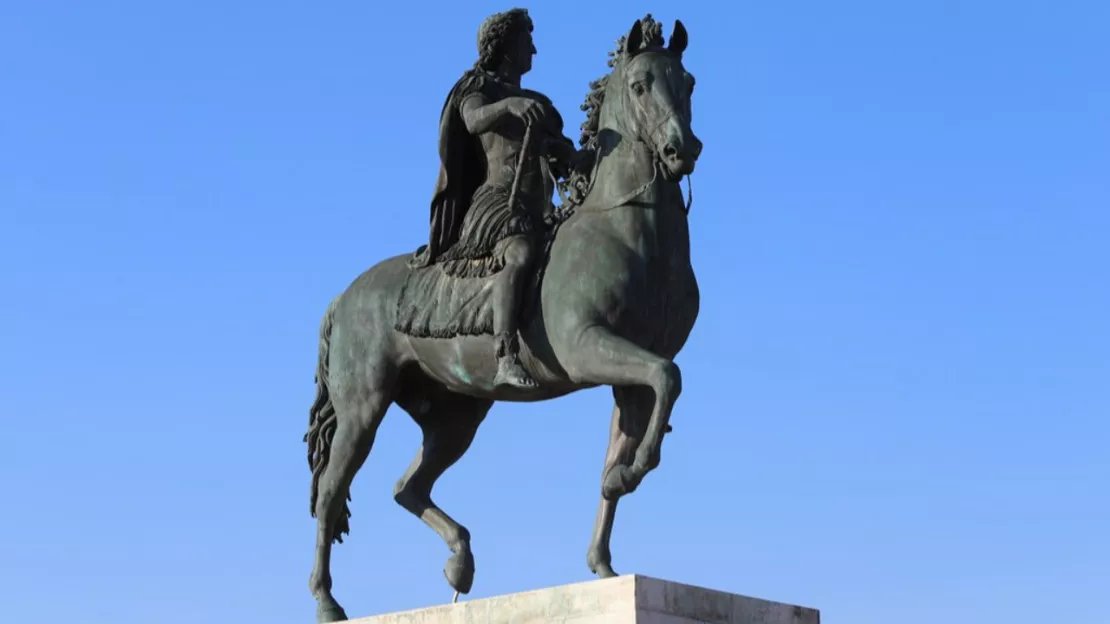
[(638, 88)]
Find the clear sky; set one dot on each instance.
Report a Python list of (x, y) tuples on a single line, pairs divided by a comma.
[(897, 396)]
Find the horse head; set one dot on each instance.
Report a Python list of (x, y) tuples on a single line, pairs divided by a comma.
[(653, 92)]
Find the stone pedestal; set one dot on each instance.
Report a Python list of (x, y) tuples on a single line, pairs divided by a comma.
[(620, 600)]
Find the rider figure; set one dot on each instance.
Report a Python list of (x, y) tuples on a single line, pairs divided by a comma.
[(475, 232)]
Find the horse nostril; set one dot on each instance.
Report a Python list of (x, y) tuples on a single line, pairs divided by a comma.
[(669, 151)]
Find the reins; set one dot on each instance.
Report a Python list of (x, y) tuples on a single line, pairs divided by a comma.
[(568, 207)]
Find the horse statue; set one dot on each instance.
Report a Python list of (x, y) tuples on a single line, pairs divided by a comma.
[(616, 303)]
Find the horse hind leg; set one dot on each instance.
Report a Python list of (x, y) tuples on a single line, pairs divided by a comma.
[(630, 413), (342, 436), (448, 422)]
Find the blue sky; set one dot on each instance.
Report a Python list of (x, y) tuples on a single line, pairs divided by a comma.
[(896, 397)]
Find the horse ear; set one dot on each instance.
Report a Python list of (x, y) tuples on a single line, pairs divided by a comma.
[(679, 38), (635, 39)]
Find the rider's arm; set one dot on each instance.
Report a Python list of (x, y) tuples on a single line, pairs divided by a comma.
[(480, 115)]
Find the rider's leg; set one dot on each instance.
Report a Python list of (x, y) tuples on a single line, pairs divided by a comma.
[(519, 254)]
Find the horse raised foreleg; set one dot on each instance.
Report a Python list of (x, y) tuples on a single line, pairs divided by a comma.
[(601, 357), (633, 405), (449, 423)]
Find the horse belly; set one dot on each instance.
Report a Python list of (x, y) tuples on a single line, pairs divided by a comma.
[(468, 365)]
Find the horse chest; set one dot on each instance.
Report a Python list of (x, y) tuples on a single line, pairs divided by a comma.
[(673, 279), (662, 293)]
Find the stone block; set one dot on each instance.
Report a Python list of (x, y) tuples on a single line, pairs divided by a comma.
[(621, 600)]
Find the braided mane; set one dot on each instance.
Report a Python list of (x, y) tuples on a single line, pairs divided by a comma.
[(577, 183)]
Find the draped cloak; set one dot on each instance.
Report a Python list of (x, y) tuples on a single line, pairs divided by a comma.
[(462, 169)]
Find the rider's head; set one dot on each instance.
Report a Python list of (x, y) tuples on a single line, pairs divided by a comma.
[(505, 42)]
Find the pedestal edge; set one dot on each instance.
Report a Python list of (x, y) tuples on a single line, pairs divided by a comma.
[(636, 593)]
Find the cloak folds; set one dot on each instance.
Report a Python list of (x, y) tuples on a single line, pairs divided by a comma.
[(462, 169)]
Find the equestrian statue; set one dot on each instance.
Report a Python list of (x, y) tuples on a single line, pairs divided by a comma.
[(514, 298)]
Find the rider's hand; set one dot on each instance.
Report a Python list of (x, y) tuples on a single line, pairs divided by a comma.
[(562, 155), (526, 109), (563, 150)]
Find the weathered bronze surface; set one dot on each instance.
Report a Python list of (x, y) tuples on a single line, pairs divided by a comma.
[(514, 298)]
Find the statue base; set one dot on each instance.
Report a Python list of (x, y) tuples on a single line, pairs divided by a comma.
[(620, 600)]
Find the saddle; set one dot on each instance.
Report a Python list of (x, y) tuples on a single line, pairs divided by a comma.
[(446, 299)]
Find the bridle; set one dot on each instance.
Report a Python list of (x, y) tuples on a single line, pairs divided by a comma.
[(569, 206)]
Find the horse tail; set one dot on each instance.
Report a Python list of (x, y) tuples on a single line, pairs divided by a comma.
[(322, 423)]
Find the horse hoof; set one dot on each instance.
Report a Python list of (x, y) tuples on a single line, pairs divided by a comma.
[(603, 569), (460, 572), (330, 613), (619, 480)]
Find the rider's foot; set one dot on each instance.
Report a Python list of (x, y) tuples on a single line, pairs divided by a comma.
[(511, 373)]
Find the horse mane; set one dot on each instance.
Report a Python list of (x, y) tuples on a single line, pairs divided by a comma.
[(577, 184)]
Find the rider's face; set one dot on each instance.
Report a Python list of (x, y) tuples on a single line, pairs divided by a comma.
[(525, 48)]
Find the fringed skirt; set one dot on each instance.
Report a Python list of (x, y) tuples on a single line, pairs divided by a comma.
[(489, 221)]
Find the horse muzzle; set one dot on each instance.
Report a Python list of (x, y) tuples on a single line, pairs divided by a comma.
[(679, 157)]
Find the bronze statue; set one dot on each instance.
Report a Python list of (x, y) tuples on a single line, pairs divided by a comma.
[(513, 299)]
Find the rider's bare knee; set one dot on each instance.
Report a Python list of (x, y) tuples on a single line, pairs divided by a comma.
[(518, 251)]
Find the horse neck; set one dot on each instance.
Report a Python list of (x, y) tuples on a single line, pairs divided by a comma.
[(635, 205), (627, 174)]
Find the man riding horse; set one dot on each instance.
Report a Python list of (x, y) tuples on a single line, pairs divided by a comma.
[(500, 147), (608, 301)]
